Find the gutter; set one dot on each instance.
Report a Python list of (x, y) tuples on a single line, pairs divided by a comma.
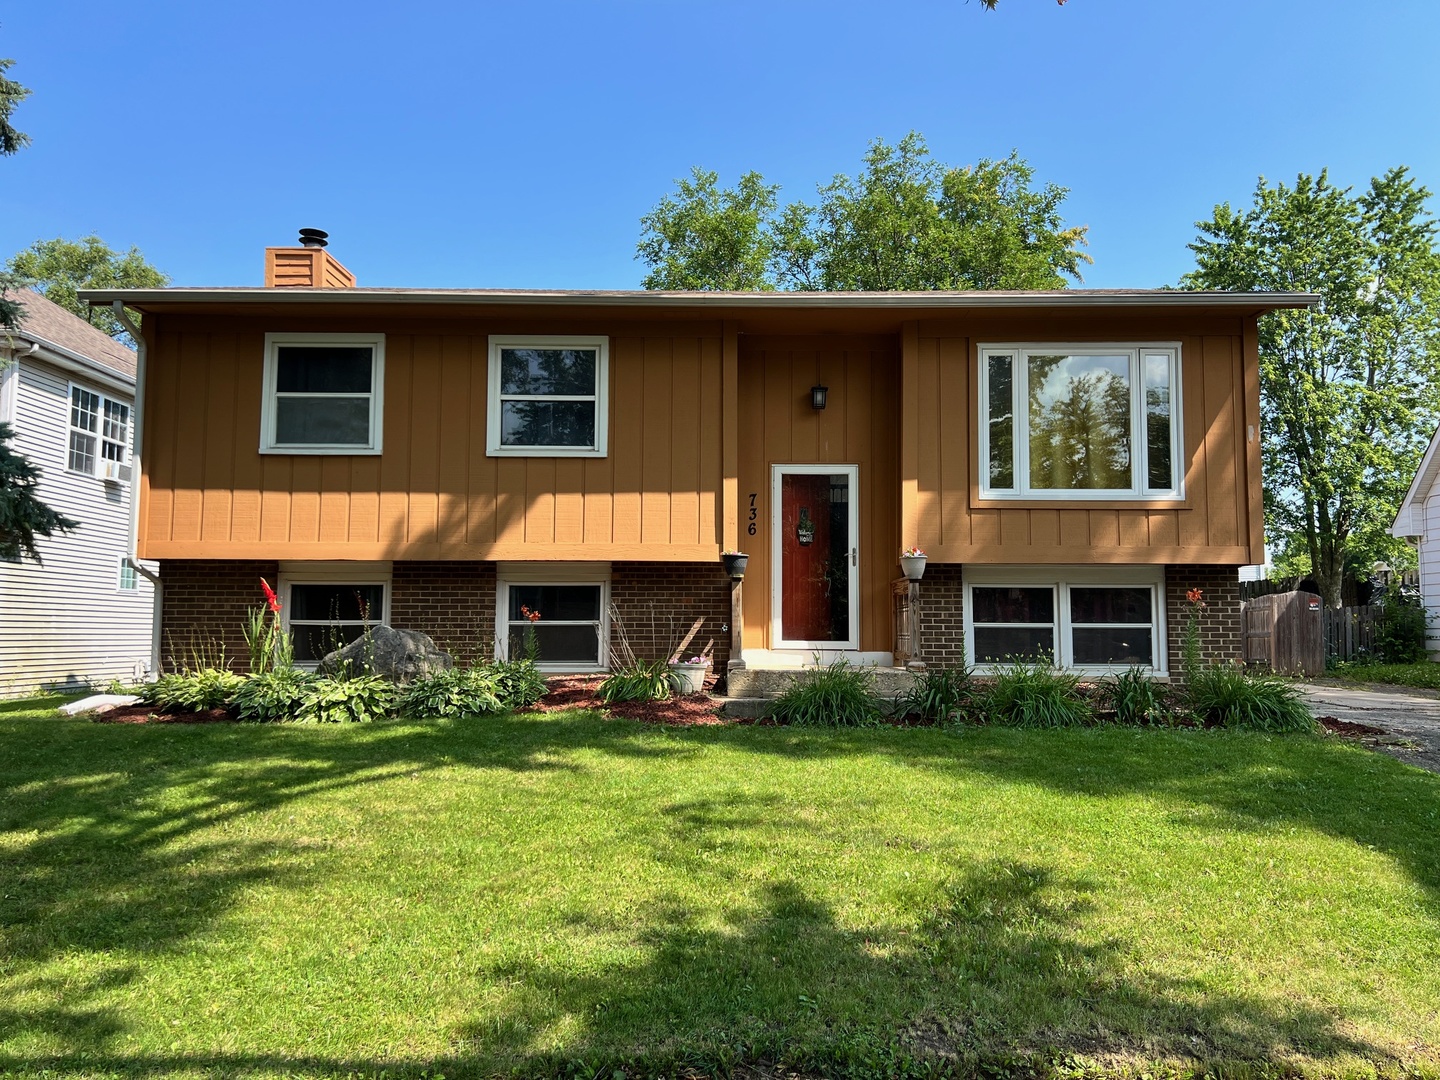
[(137, 431)]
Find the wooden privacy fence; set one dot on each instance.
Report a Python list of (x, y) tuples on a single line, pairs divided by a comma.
[(1350, 630), (1292, 633)]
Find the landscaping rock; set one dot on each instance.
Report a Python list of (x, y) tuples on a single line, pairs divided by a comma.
[(398, 655)]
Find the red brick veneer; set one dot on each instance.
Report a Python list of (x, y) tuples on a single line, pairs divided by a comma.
[(658, 602), (205, 606), (453, 602)]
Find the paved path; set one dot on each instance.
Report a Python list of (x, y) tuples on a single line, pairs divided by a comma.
[(1410, 719)]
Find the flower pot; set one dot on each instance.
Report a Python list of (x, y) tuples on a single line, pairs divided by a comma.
[(913, 566), (735, 565), (687, 678)]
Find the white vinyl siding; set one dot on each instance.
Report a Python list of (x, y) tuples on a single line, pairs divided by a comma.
[(1430, 571), (66, 623)]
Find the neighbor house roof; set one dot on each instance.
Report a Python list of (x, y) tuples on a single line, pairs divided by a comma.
[(50, 325), (1410, 518)]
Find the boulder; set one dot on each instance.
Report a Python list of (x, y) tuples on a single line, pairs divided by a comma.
[(398, 655)]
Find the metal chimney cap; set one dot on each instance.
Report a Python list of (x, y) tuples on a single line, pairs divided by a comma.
[(313, 238)]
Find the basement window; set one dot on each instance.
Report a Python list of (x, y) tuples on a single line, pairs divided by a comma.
[(560, 609), (547, 396), (1095, 620), (323, 394), (325, 609)]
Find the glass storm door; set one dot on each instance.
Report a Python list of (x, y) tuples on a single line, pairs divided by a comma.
[(815, 583)]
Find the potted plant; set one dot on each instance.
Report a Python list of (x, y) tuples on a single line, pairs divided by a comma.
[(735, 563), (688, 676), (912, 563)]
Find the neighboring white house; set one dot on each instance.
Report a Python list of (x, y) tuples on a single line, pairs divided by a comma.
[(1418, 521), (82, 616)]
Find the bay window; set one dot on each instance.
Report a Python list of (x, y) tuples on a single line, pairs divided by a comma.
[(1080, 422)]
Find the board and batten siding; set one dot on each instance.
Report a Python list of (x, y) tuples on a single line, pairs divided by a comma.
[(1217, 522), (65, 622), (433, 493), (778, 426)]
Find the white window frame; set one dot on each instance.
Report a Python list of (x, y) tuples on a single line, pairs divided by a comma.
[(322, 573), (99, 434), (601, 397), (1140, 444), (123, 565), (1061, 578), (270, 395), (508, 574)]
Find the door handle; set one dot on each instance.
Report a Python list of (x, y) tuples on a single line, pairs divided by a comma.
[(854, 556)]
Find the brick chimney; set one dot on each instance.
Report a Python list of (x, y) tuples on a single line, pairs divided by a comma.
[(308, 266)]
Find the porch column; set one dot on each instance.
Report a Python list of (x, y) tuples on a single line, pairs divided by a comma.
[(917, 660), (737, 626)]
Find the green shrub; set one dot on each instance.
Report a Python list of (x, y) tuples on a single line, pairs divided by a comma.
[(450, 694), (192, 691), (645, 680), (834, 696), (1226, 695), (340, 701), (272, 696), (1400, 628), (1137, 698), (940, 695), (518, 683), (1032, 694)]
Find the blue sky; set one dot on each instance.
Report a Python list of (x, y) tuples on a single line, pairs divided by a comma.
[(517, 144)]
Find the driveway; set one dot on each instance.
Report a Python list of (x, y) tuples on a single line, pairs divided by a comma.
[(1403, 723)]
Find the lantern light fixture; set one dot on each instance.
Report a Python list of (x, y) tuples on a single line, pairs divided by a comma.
[(817, 396)]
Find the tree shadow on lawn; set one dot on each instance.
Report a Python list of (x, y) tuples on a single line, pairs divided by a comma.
[(102, 856)]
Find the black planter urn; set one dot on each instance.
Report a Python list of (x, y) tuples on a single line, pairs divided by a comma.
[(735, 564)]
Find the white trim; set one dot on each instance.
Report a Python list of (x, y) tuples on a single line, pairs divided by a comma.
[(1139, 442), (9, 379), (97, 473), (1061, 578), (601, 397), (553, 573), (777, 576), (331, 573), (269, 396)]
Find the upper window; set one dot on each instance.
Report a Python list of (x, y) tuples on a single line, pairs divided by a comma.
[(1091, 422), (547, 396), (99, 435), (322, 393)]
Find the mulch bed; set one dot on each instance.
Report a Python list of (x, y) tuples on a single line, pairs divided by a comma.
[(144, 714), (1347, 729)]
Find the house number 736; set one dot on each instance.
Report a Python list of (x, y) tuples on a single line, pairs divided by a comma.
[(752, 528)]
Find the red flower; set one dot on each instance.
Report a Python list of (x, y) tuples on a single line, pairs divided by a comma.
[(270, 597), (533, 616), (1193, 596)]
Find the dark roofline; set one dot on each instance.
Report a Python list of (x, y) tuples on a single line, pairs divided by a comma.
[(919, 301)]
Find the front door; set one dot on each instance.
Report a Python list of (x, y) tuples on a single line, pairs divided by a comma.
[(815, 597)]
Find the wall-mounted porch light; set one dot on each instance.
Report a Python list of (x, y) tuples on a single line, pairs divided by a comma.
[(817, 396)]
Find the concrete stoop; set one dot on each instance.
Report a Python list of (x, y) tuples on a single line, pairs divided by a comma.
[(749, 691)]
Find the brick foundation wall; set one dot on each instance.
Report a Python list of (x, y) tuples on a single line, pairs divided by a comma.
[(206, 605), (1220, 631), (942, 616), (453, 602), (658, 602)]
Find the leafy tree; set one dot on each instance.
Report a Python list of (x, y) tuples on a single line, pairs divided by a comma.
[(11, 95), (1350, 392), (905, 222), (61, 268), (23, 516)]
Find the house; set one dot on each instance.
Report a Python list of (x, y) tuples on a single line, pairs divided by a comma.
[(83, 616), (1418, 521), (448, 460)]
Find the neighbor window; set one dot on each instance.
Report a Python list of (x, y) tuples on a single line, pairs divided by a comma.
[(547, 396), (128, 581), (563, 622), (322, 393), (327, 615), (99, 435), (1071, 422), (1089, 619)]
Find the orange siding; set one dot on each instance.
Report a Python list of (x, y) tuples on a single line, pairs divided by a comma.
[(434, 492), (857, 427), (1217, 522)]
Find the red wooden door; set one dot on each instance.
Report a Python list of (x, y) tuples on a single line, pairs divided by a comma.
[(814, 557)]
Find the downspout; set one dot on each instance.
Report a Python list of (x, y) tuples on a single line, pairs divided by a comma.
[(137, 431)]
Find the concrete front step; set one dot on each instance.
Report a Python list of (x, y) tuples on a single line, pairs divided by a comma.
[(761, 684)]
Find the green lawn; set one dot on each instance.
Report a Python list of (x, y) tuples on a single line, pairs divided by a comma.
[(564, 893), (1425, 674)]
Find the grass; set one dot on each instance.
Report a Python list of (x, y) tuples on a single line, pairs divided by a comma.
[(564, 894), (1425, 674)]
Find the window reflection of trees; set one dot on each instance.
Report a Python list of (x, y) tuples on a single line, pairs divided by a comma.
[(1079, 423), (528, 377)]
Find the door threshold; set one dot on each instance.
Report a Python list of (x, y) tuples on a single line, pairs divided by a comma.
[(787, 659)]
